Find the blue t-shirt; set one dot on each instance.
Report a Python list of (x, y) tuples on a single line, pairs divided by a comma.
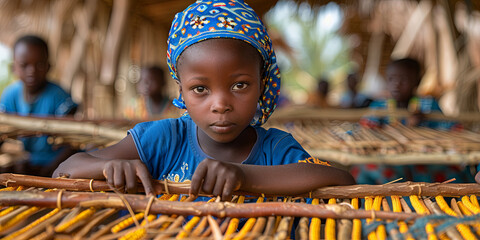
[(52, 101), (170, 150)]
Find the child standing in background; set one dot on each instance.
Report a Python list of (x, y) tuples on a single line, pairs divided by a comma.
[(34, 95), (152, 102), (403, 77), (222, 59)]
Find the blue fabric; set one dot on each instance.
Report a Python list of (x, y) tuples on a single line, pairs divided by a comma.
[(226, 19), (426, 105), (170, 150), (52, 101)]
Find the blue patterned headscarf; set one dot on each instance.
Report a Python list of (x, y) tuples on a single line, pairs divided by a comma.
[(225, 19)]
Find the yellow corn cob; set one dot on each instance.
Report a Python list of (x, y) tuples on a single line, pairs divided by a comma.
[(127, 222), (464, 209), (330, 223), (462, 228), (444, 206), (314, 231), (174, 197), (233, 224), (165, 196), (357, 224), (381, 231), (188, 227), (21, 216), (7, 189), (7, 210), (193, 222), (470, 205), (149, 218), (248, 225), (419, 208), (31, 225), (397, 207), (474, 200), (81, 216), (134, 235), (369, 206), (467, 212)]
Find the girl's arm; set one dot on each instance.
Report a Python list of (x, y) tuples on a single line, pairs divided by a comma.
[(222, 178), (293, 178), (119, 164)]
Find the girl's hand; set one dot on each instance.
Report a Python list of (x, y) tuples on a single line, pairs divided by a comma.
[(217, 178), (477, 177), (122, 174)]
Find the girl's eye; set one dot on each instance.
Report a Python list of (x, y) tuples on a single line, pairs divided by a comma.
[(239, 86), (199, 89)]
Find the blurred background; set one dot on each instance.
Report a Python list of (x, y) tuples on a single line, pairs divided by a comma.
[(98, 47)]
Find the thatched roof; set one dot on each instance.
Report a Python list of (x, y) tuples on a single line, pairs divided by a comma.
[(97, 46)]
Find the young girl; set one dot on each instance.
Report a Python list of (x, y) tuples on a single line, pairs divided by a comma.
[(222, 58)]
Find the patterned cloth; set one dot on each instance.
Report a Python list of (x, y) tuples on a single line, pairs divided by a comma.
[(226, 19)]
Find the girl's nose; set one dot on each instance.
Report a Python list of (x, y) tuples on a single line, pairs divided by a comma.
[(220, 104)]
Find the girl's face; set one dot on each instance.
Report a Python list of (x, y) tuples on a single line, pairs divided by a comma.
[(220, 82)]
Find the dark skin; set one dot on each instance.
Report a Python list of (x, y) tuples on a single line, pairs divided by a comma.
[(402, 83), (221, 95), (151, 85), (30, 65)]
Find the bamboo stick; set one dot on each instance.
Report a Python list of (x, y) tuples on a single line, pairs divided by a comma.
[(352, 191), (220, 209), (61, 126)]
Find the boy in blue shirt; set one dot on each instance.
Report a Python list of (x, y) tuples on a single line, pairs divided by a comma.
[(34, 95), (403, 77), (222, 59)]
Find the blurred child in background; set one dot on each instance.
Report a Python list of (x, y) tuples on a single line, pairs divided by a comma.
[(35, 95), (403, 77), (152, 102)]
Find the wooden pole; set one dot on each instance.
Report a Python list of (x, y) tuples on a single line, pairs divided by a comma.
[(353, 191), (216, 209), (83, 18)]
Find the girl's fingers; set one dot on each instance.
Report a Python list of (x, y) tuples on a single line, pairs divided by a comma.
[(130, 180), (108, 174), (209, 183), (219, 185), (119, 179), (144, 175), (197, 179), (228, 189)]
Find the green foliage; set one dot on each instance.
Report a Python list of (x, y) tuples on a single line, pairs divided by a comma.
[(318, 49)]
